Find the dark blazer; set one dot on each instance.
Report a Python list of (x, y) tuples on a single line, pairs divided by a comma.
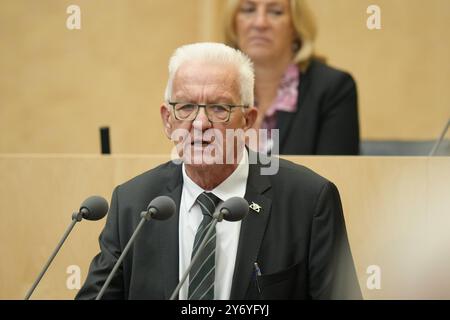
[(298, 239), (326, 120)]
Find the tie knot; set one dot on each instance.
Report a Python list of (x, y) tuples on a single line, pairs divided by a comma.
[(208, 202)]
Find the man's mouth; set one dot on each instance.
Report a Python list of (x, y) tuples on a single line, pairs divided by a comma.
[(202, 143)]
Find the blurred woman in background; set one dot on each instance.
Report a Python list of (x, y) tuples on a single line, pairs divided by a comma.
[(313, 105)]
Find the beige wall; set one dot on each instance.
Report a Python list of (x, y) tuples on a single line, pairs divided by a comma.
[(57, 87), (402, 70), (396, 210)]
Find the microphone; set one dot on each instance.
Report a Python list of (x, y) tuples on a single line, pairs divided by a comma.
[(160, 208), (234, 209), (93, 208)]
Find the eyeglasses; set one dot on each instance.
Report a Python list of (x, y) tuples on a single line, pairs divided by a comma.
[(216, 112)]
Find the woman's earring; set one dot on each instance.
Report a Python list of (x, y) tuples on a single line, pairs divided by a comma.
[(296, 45)]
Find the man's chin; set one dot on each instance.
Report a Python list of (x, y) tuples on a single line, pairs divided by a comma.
[(202, 160)]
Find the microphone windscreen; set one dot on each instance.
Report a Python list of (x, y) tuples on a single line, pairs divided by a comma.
[(94, 208), (162, 208), (234, 209)]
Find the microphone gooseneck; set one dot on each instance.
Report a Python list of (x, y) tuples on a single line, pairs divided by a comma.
[(160, 208), (93, 208)]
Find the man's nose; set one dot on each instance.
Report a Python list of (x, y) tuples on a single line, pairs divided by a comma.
[(201, 121)]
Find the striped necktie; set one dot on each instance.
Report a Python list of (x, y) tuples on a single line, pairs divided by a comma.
[(201, 276)]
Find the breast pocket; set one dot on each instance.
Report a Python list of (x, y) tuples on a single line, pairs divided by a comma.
[(281, 284)]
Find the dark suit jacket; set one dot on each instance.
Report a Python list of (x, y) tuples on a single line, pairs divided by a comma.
[(298, 239), (326, 120)]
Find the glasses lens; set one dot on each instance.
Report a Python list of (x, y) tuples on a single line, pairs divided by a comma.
[(218, 112), (185, 111)]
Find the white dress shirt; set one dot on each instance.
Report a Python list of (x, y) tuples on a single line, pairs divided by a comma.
[(227, 233)]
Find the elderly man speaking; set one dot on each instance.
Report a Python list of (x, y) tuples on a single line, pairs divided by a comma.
[(291, 245)]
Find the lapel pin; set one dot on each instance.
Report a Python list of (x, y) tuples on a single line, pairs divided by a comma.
[(255, 207)]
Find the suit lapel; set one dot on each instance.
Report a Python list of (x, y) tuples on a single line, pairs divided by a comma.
[(169, 243), (252, 231)]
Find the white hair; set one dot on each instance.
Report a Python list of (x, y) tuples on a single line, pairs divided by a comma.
[(214, 53)]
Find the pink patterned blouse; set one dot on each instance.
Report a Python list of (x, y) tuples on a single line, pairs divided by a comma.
[(286, 99)]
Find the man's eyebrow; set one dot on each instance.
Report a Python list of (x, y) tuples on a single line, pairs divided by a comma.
[(221, 98)]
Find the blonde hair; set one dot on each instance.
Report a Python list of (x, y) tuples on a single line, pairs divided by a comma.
[(303, 21)]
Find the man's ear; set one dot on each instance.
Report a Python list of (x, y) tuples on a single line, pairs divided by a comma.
[(250, 116), (165, 117)]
